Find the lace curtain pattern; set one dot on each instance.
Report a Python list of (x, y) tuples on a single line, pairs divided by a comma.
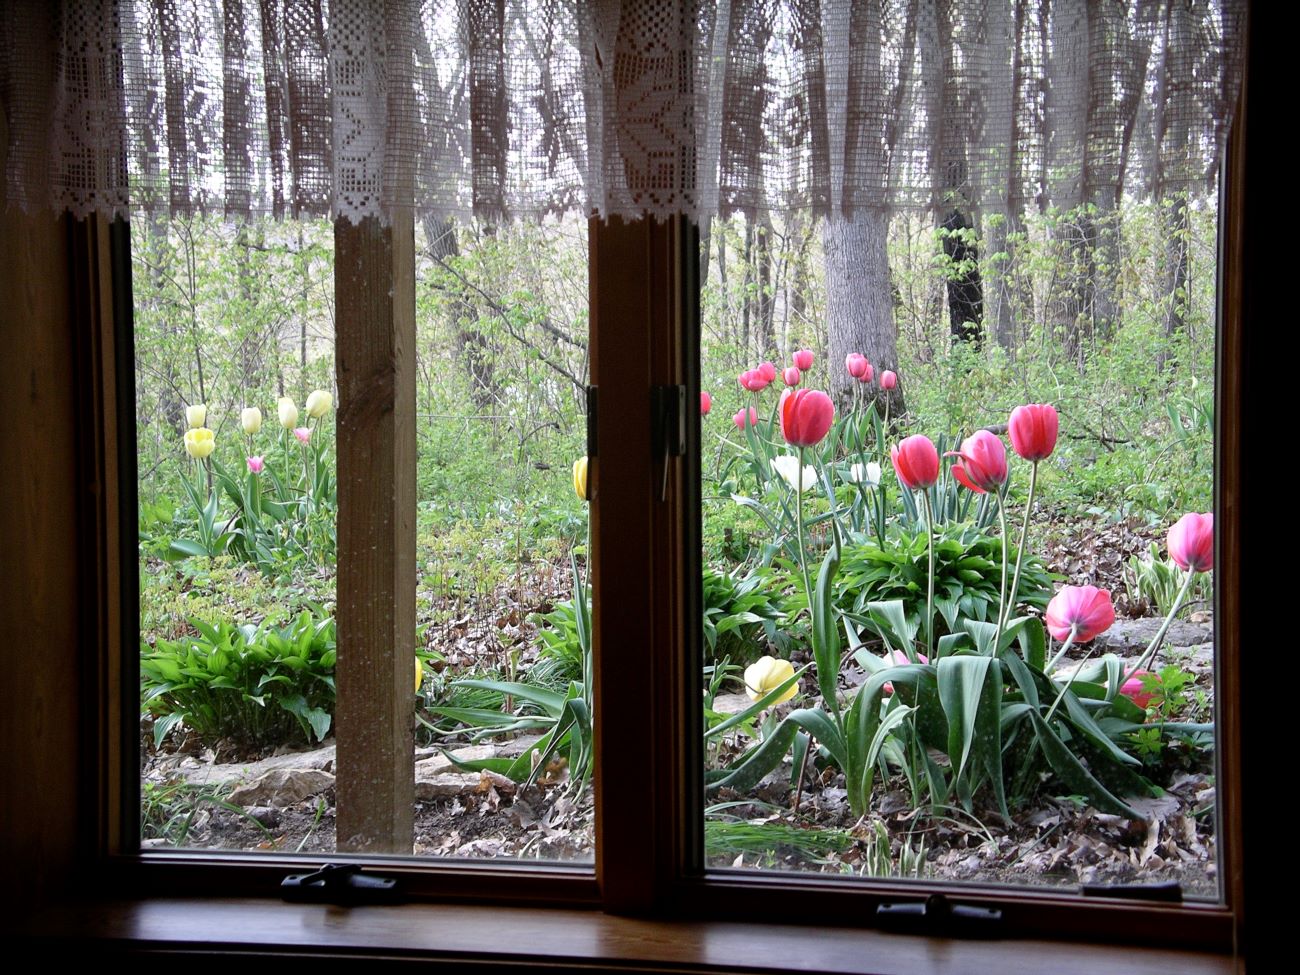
[(500, 109)]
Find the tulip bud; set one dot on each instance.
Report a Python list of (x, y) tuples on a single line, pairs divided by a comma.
[(983, 463), (867, 376), (419, 674), (899, 659), (753, 380), (806, 416), (251, 420), (319, 403), (1033, 430), (856, 363), (1080, 613), (196, 415), (888, 379), (868, 474), (199, 442), (787, 468), (767, 675), (750, 415), (288, 412), (767, 371), (256, 465), (303, 434), (1136, 690), (790, 376), (803, 360), (916, 462), (706, 403), (580, 478), (1191, 542)]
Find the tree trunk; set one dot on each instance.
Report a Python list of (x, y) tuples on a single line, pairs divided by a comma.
[(859, 306), (472, 349), (965, 289)]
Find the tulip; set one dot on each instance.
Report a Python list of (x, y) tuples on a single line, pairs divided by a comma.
[(752, 380), (1079, 613), (867, 375), (319, 403), (419, 674), (803, 360), (1135, 689), (740, 418), (888, 379), (806, 416), (303, 434), (250, 419), (868, 474), (580, 478), (856, 363), (199, 442), (899, 659), (767, 371), (196, 415), (790, 376), (706, 403), (788, 469), (983, 464), (1191, 542), (288, 412), (1033, 430), (916, 462), (256, 465), (766, 675)]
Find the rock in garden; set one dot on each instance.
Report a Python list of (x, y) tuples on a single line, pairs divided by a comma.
[(282, 787)]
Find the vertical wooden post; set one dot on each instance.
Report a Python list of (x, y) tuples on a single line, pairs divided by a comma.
[(374, 289)]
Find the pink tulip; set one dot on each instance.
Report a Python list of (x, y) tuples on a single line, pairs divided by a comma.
[(1033, 430), (803, 360), (1191, 542), (752, 380), (856, 363), (255, 465), (790, 375), (899, 659), (806, 416), (1135, 689), (867, 376), (888, 379), (1079, 612), (916, 462), (303, 434), (767, 371), (740, 417), (983, 464), (706, 403)]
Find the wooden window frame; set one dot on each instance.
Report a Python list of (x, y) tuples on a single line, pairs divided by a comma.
[(648, 811)]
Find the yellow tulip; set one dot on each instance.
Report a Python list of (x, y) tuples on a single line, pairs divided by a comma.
[(288, 413), (419, 674), (319, 403), (199, 442), (251, 420), (765, 676), (580, 478), (196, 415)]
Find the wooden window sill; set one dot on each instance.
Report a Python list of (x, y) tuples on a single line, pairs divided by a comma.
[(507, 938)]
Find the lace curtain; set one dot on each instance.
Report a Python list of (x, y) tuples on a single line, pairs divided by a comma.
[(507, 108)]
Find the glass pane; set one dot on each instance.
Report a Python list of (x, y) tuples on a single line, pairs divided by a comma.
[(921, 720), (234, 332)]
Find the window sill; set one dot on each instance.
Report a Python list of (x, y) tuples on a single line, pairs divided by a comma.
[(525, 937)]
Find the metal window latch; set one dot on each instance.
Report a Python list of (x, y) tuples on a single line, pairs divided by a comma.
[(340, 883), (668, 414), (938, 915)]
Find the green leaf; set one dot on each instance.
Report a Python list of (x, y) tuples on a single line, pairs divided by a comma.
[(1073, 773)]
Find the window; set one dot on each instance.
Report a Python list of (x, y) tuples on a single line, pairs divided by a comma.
[(639, 279)]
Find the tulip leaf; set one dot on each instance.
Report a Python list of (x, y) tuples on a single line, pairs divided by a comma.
[(1033, 642), (185, 547), (970, 690), (1073, 773), (826, 632), (549, 701)]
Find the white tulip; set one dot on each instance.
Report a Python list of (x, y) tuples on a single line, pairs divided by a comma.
[(788, 469)]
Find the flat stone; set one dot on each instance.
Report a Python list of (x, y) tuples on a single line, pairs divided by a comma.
[(1125, 636), (731, 703), (319, 759), (438, 763), (449, 784), (282, 787)]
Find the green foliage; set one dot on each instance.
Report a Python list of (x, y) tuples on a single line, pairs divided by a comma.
[(256, 685), (1154, 581), (168, 809), (740, 612)]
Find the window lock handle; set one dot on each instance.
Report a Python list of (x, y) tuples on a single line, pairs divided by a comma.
[(340, 883)]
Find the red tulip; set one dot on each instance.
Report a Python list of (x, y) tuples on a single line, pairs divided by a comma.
[(1191, 542), (790, 375), (899, 659), (856, 363), (888, 379), (1079, 612), (806, 416), (803, 360), (739, 418), (752, 380), (767, 371), (983, 464), (706, 403), (1136, 689), (1033, 430), (916, 462), (867, 376)]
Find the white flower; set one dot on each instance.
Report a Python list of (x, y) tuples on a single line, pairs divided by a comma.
[(767, 675), (868, 475), (196, 415), (787, 467)]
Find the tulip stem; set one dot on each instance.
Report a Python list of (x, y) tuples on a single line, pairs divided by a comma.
[(1069, 683), (929, 586), (1002, 593), (1014, 597), (1149, 654), (1069, 642), (798, 521)]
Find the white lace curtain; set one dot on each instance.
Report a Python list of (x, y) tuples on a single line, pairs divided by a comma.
[(507, 108)]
